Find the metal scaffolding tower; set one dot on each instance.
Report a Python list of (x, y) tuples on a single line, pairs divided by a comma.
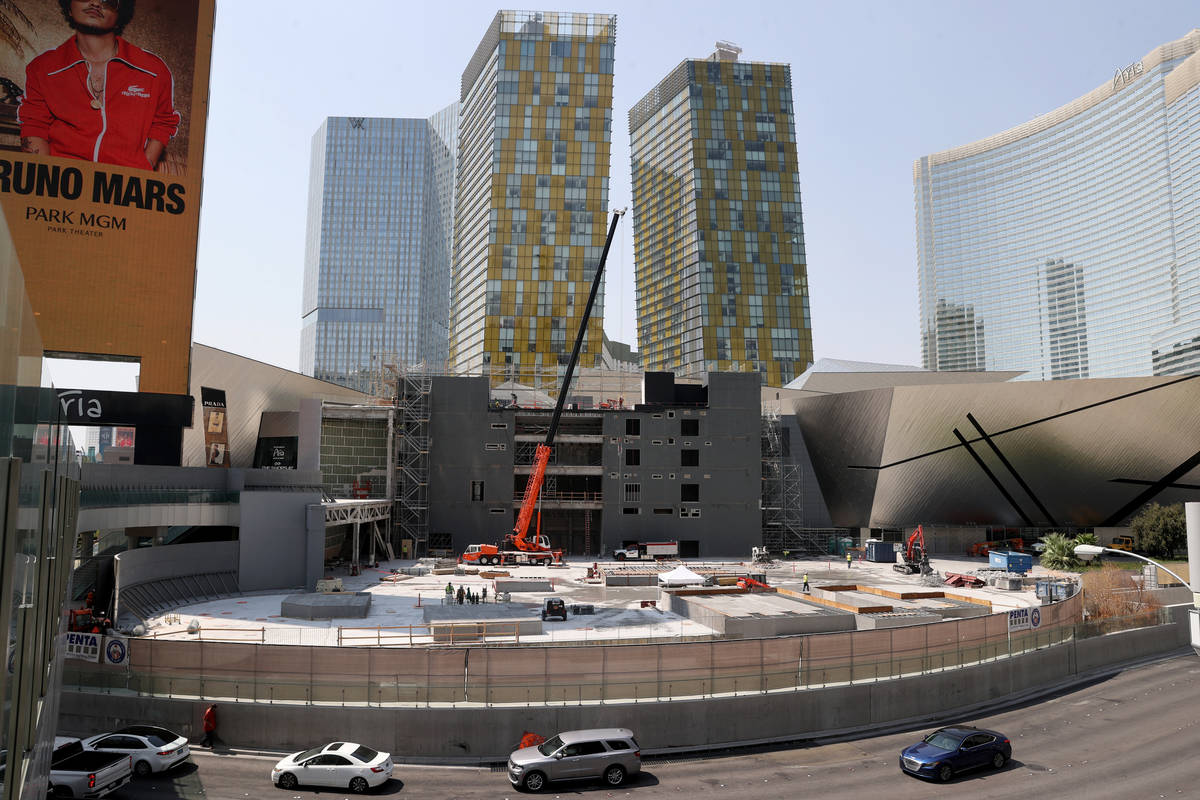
[(783, 498), (411, 437)]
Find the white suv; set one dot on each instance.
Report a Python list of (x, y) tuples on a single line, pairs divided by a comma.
[(611, 754)]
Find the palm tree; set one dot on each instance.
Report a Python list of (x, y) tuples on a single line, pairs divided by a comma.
[(1059, 552)]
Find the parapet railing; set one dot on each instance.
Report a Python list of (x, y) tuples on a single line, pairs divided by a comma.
[(93, 497), (503, 674)]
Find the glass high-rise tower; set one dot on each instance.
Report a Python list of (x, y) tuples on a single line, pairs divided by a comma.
[(1069, 246), (378, 250), (531, 214), (722, 281)]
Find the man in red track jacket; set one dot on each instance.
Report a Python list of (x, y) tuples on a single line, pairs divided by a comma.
[(97, 97)]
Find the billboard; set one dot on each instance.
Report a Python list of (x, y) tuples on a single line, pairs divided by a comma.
[(102, 114), (216, 436)]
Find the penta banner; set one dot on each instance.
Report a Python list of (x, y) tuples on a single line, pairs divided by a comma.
[(102, 119), (83, 646), (1024, 619)]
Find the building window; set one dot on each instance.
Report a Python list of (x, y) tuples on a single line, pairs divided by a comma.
[(633, 427), (494, 446), (689, 427), (477, 491), (689, 493), (656, 441), (499, 426), (689, 458), (497, 511), (633, 493), (633, 457), (664, 511), (631, 510), (695, 512)]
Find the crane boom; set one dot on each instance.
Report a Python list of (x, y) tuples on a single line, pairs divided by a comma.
[(533, 488), (519, 546), (529, 501)]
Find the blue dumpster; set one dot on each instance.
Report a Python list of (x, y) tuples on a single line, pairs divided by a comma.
[(881, 552), (1019, 563)]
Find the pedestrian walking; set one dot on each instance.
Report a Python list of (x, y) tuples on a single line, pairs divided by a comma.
[(449, 590), (849, 560), (485, 594), (461, 595), (806, 582), (210, 726)]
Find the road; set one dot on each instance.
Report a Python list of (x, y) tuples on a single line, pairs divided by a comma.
[(1134, 734)]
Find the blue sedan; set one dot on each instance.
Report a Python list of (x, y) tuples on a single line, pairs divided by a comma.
[(949, 750)]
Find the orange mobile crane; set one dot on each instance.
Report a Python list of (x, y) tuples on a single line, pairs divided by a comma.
[(519, 547)]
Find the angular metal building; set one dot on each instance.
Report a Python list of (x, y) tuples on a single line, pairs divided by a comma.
[(1031, 455)]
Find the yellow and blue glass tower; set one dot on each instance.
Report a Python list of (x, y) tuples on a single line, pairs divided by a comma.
[(532, 195), (722, 282)]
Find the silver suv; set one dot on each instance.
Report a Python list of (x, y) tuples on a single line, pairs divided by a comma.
[(611, 754)]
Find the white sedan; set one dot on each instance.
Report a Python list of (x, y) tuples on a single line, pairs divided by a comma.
[(152, 749), (340, 764)]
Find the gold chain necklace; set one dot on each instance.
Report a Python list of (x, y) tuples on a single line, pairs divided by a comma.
[(95, 85)]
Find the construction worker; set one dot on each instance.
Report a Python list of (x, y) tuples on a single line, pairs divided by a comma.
[(449, 593), (806, 583), (485, 594), (210, 726), (849, 560)]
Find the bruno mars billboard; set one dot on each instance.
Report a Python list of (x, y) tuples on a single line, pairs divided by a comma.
[(102, 113)]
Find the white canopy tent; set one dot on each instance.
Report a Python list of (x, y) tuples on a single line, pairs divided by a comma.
[(680, 576)]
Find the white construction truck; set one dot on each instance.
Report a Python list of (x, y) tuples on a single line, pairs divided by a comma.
[(647, 551)]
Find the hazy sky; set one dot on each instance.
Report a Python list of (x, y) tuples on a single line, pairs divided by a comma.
[(876, 85)]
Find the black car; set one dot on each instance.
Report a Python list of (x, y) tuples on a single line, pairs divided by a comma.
[(947, 751), (554, 607)]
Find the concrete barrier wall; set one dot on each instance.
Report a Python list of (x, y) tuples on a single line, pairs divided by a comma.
[(175, 560), (454, 735)]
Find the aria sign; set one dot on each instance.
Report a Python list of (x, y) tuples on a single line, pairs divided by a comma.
[(1124, 77)]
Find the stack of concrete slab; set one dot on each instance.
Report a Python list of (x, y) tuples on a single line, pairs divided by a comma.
[(475, 622), (326, 605), (512, 585), (748, 615)]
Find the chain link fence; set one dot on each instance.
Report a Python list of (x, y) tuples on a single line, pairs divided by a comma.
[(537, 675)]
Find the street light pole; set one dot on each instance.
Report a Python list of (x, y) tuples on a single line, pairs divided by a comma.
[(1089, 551)]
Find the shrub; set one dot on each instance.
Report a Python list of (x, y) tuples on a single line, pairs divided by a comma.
[(1159, 530), (1112, 592)]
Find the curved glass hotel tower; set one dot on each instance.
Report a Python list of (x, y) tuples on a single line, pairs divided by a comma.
[(1069, 246)]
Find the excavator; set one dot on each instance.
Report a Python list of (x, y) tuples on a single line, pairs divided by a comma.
[(519, 547), (916, 556)]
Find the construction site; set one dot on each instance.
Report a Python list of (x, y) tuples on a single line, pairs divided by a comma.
[(407, 603)]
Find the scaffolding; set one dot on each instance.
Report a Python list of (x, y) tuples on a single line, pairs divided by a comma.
[(406, 388), (783, 498)]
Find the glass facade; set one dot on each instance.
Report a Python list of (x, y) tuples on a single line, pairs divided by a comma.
[(722, 281), (1067, 247), (532, 203), (39, 503), (377, 254)]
